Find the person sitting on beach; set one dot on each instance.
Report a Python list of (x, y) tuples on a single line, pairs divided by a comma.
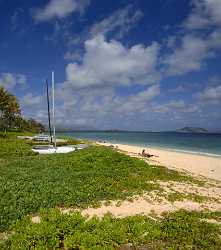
[(144, 154)]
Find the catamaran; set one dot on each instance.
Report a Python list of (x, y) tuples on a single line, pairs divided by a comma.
[(52, 149)]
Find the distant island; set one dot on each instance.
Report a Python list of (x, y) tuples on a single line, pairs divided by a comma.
[(113, 130), (192, 130)]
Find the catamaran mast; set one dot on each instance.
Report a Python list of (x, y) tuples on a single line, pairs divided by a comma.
[(49, 116), (53, 109)]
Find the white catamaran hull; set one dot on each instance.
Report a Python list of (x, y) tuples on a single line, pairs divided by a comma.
[(58, 150)]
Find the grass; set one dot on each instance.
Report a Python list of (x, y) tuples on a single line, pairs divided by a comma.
[(180, 230), (30, 183), (10, 148)]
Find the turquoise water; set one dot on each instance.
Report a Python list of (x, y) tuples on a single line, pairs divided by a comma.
[(194, 143)]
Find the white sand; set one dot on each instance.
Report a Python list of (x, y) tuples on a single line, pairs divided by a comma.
[(206, 166), (144, 207)]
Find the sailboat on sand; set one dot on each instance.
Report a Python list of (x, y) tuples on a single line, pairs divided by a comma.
[(52, 149)]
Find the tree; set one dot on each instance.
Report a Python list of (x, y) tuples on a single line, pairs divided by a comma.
[(10, 115), (34, 126), (9, 109)]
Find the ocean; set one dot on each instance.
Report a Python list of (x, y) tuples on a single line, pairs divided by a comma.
[(207, 144)]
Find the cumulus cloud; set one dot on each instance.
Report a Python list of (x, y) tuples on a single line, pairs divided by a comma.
[(98, 107), (190, 52), (189, 56), (34, 106), (211, 94), (11, 80), (59, 9), (31, 101), (136, 103), (205, 13), (110, 63)]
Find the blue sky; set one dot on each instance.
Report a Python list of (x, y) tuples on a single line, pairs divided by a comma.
[(120, 64)]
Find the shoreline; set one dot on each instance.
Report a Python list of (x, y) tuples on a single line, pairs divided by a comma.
[(197, 164), (201, 144), (188, 151), (185, 151)]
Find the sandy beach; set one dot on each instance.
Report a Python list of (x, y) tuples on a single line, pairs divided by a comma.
[(206, 166)]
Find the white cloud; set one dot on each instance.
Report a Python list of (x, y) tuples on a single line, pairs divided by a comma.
[(193, 51), (73, 56), (190, 52), (205, 13), (146, 95), (77, 108), (211, 95), (175, 107), (198, 18), (121, 21), (99, 106), (180, 104), (137, 103), (34, 106), (31, 101), (189, 56), (59, 9), (214, 39), (11, 80), (110, 63)]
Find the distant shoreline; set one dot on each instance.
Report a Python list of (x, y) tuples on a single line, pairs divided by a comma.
[(131, 131)]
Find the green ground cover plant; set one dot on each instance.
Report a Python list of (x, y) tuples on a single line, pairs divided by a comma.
[(10, 148), (84, 178), (177, 196), (179, 230)]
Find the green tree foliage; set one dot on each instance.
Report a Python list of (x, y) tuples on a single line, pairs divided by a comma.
[(10, 114), (30, 125), (9, 109)]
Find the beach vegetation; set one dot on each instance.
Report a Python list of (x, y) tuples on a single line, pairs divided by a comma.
[(178, 196), (179, 230)]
